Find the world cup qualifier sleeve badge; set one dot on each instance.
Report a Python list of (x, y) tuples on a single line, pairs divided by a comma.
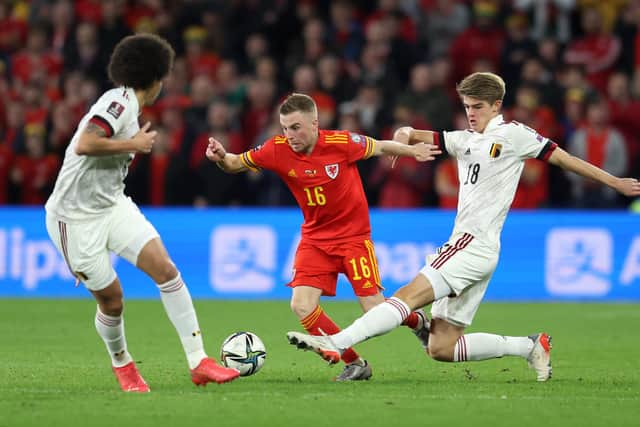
[(332, 170), (115, 109)]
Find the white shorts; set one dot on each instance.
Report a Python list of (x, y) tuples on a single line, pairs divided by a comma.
[(85, 245), (459, 273)]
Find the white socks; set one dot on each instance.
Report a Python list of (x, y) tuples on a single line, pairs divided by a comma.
[(481, 346), (111, 330), (179, 307), (379, 320)]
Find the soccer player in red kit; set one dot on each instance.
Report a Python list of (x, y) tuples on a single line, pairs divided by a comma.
[(319, 167)]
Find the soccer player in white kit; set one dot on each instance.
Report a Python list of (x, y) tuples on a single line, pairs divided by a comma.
[(89, 216), (491, 157)]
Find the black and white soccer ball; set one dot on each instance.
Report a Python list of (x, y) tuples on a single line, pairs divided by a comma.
[(243, 351)]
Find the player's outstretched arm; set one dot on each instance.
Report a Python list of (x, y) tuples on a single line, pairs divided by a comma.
[(228, 162), (629, 187), (93, 141), (408, 135), (421, 152)]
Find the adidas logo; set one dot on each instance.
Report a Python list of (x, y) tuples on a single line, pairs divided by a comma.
[(367, 285), (292, 173), (466, 153)]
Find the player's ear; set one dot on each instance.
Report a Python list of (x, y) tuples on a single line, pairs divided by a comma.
[(497, 105)]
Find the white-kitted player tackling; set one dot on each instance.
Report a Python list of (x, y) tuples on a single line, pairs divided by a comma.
[(490, 157)]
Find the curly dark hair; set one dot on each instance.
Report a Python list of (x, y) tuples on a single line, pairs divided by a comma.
[(140, 60)]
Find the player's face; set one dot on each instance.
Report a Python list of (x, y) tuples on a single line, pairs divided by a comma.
[(301, 130), (479, 113)]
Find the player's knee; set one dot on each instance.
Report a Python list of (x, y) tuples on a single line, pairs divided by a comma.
[(439, 352), (302, 308), (165, 271), (112, 306)]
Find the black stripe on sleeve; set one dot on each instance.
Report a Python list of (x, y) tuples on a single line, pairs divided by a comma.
[(547, 150), (104, 124)]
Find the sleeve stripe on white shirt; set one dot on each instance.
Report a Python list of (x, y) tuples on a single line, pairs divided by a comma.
[(546, 151), (104, 124)]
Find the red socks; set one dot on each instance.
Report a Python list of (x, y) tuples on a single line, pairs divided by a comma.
[(319, 320)]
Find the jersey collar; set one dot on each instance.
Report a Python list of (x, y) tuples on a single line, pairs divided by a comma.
[(133, 99), (494, 123)]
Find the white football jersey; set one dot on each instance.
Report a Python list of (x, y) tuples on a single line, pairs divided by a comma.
[(489, 168), (87, 185)]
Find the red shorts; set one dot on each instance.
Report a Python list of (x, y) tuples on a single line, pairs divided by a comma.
[(318, 266)]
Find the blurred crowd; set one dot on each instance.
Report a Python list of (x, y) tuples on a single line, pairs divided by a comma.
[(572, 69)]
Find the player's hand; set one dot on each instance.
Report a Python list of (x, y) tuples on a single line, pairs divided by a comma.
[(143, 140), (630, 187), (424, 152), (215, 150)]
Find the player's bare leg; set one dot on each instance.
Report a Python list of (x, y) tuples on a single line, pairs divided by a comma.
[(154, 260), (110, 326), (446, 340), (305, 302), (448, 343), (443, 339), (378, 320)]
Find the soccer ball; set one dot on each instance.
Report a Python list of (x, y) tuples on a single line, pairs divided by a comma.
[(243, 351)]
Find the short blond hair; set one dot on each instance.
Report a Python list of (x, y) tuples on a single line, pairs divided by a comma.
[(483, 86), (298, 102)]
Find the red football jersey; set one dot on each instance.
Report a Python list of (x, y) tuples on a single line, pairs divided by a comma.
[(326, 183)]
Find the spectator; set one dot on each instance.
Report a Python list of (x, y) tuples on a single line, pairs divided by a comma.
[(200, 61), (216, 188), (62, 128), (6, 165), (35, 57), (13, 32), (404, 183), (625, 114), (85, 55), (545, 10), (345, 31), (517, 49), (533, 188), (483, 40), (427, 99), (603, 146), (386, 8), (446, 183), (627, 31), (372, 109), (257, 112), (597, 50), (229, 85), (443, 23), (112, 27), (201, 92), (333, 80), (62, 20), (34, 172)]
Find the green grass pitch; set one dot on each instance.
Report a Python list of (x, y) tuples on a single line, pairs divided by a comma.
[(54, 371)]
